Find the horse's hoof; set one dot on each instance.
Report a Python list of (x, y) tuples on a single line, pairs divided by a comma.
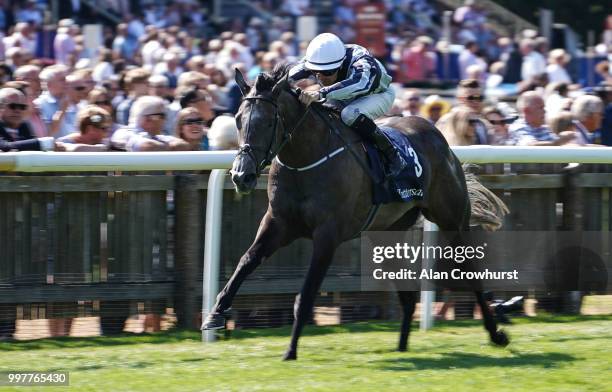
[(501, 339), (290, 356), (213, 321), (402, 349)]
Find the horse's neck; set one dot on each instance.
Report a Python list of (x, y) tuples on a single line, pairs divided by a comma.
[(310, 141)]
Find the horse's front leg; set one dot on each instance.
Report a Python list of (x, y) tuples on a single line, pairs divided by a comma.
[(272, 234), (324, 245)]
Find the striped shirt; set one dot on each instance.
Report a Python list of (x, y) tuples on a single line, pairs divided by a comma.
[(360, 74), (523, 134)]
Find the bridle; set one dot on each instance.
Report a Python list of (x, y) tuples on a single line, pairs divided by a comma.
[(271, 151)]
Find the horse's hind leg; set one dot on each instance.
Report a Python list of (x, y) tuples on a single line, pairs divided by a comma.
[(408, 302), (498, 337), (271, 235), (451, 216)]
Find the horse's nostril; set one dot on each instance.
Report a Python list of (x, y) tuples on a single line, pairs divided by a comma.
[(249, 178)]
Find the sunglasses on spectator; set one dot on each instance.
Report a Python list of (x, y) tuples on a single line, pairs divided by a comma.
[(102, 103), (473, 121), (193, 121), (476, 98), (80, 88), (414, 99), (159, 115), (328, 72), (503, 121), (17, 106)]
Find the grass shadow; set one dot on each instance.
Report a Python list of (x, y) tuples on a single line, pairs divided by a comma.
[(183, 335), (473, 361)]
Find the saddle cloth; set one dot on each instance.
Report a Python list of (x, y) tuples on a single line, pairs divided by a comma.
[(407, 185)]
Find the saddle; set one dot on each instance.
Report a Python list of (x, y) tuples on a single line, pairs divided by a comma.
[(406, 186)]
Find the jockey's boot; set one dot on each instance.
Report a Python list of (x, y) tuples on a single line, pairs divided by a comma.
[(368, 130)]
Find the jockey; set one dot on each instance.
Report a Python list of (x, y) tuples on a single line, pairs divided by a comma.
[(350, 74)]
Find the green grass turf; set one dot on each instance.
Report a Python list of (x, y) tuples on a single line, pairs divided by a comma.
[(546, 354)]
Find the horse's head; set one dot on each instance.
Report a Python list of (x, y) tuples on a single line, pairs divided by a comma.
[(262, 133)]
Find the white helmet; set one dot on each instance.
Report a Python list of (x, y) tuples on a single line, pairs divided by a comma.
[(325, 52)]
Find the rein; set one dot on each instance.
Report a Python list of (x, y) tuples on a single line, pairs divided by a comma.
[(272, 153)]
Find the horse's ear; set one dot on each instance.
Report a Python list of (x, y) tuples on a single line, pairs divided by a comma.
[(280, 86), (242, 84)]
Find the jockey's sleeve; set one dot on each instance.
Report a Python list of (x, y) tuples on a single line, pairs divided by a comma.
[(363, 78), (299, 71)]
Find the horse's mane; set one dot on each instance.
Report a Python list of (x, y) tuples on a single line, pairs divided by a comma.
[(265, 81)]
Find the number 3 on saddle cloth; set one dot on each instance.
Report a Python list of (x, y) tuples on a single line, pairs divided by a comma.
[(406, 186)]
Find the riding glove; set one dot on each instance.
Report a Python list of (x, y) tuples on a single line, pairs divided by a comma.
[(308, 97)]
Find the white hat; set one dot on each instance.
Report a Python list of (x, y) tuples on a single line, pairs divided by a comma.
[(325, 52)]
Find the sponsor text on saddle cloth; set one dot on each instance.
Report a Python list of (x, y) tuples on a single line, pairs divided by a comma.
[(408, 185)]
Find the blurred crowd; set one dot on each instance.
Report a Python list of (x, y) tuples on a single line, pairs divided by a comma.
[(163, 78)]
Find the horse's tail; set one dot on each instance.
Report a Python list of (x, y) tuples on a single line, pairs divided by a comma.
[(488, 210)]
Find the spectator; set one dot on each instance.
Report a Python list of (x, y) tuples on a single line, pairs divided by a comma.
[(101, 97), (147, 116), (15, 133), (64, 120), (159, 87), (104, 69), (30, 74), (557, 60), (136, 85), (196, 63), (530, 129), (588, 114), (468, 57), (458, 127), (498, 132), (604, 90), (470, 96), (94, 125), (200, 100), (533, 63), (190, 127), (223, 134), (411, 103), (561, 122), (64, 43), (23, 38), (418, 63), (194, 79), (465, 13), (434, 107), (496, 75), (32, 114), (172, 69), (16, 57), (14, 106), (556, 95), (121, 46), (53, 100)]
